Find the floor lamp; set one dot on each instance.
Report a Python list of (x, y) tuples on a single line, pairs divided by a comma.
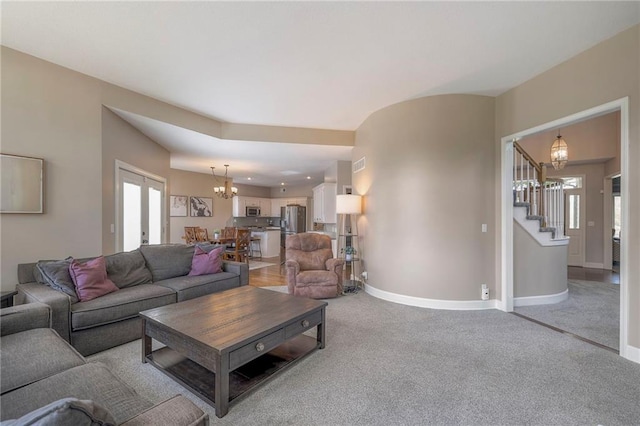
[(348, 206)]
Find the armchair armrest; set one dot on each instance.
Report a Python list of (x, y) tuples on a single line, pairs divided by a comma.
[(240, 268), (334, 264), (175, 411), (58, 302), (24, 317), (292, 268)]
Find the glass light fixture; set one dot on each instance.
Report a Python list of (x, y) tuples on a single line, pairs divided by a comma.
[(226, 191), (559, 153)]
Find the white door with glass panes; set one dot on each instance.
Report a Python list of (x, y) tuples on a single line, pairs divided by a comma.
[(140, 209), (574, 203)]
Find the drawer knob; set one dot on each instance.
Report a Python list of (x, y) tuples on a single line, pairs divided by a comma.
[(305, 323), (260, 347)]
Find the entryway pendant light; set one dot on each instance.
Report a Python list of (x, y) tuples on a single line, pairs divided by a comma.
[(226, 191), (559, 153)]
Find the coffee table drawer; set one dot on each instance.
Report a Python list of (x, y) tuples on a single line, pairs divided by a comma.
[(302, 325), (255, 349)]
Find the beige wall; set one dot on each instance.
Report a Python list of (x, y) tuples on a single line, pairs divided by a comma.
[(529, 278), (197, 184), (428, 187), (604, 73), (121, 141), (595, 140), (51, 113)]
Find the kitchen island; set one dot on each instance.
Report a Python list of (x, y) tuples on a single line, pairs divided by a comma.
[(269, 240)]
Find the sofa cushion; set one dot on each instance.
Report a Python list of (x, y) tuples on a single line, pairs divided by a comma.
[(127, 269), (167, 260), (315, 278), (204, 263), (66, 412), (91, 279), (21, 365), (56, 275), (123, 304), (195, 286), (91, 381)]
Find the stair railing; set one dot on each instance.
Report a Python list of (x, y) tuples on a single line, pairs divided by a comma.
[(531, 185)]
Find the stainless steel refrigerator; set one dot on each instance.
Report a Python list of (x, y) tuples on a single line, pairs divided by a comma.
[(293, 220)]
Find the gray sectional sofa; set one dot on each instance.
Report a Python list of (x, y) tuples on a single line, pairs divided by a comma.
[(149, 277), (46, 381)]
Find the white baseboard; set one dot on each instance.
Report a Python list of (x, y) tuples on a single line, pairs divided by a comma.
[(632, 354), (593, 265), (545, 299), (456, 305)]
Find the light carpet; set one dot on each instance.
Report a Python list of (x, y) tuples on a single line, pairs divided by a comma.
[(390, 364), (256, 264), (591, 311)]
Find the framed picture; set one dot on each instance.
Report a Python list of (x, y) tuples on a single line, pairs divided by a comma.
[(201, 206), (178, 205), (22, 184)]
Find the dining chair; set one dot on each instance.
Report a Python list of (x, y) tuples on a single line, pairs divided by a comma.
[(202, 235), (240, 250), (190, 235)]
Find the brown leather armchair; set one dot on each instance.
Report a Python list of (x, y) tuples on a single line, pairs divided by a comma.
[(311, 269)]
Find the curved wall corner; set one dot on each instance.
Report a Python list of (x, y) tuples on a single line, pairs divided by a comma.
[(539, 272), (428, 186)]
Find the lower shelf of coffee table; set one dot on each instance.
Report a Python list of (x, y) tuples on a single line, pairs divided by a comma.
[(241, 380)]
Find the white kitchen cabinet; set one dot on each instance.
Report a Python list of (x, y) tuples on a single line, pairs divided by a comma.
[(276, 203), (271, 247), (239, 207), (240, 204), (265, 207), (324, 203)]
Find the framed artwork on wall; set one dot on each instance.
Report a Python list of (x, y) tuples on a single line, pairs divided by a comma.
[(178, 206), (201, 206), (22, 184)]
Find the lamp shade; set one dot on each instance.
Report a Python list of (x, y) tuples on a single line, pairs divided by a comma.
[(348, 204)]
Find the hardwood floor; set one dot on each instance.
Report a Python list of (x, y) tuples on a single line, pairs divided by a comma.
[(588, 274), (270, 275)]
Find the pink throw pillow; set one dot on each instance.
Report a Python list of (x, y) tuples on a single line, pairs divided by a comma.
[(204, 263), (91, 279)]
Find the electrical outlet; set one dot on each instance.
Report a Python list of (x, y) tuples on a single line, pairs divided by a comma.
[(484, 292), (484, 227)]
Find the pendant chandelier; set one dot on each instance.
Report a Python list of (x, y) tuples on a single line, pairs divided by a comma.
[(226, 191), (559, 153)]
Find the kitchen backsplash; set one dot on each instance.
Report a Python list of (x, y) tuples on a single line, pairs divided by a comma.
[(254, 221)]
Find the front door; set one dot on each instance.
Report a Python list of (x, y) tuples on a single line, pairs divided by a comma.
[(574, 225)]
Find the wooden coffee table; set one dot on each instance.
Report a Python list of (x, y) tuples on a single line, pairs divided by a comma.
[(222, 345)]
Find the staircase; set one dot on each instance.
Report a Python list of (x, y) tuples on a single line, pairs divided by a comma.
[(538, 201), (540, 246)]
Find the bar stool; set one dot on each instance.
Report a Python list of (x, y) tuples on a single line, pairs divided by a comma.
[(253, 247)]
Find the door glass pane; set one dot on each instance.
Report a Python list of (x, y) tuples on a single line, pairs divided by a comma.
[(155, 216), (132, 216), (574, 211), (617, 216)]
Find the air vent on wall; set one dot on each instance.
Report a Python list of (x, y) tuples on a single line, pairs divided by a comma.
[(358, 165)]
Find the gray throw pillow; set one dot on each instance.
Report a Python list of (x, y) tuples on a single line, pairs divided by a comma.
[(66, 412), (208, 246), (56, 275), (128, 269)]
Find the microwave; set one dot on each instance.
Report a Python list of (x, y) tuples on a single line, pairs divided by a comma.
[(252, 211)]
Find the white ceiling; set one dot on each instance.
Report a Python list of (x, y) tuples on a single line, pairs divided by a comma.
[(306, 64)]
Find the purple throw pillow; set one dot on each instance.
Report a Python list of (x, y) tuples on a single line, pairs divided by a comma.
[(204, 263), (91, 279)]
